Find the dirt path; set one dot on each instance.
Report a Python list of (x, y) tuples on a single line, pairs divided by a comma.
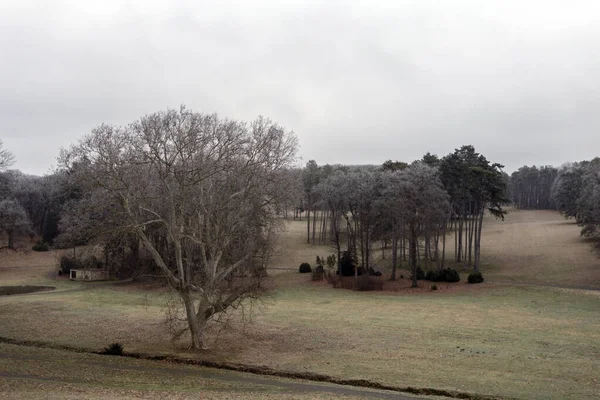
[(148, 372)]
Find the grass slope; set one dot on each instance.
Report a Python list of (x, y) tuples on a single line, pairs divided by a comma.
[(514, 341)]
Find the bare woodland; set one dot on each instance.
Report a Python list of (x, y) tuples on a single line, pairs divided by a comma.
[(199, 201)]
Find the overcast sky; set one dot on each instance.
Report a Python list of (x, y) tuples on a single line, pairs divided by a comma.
[(358, 81)]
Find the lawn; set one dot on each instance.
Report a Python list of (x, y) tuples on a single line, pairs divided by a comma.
[(516, 341), (33, 373)]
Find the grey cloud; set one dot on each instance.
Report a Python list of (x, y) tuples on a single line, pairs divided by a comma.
[(359, 82)]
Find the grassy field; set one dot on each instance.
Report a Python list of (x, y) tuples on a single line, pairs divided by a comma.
[(34, 373), (518, 341)]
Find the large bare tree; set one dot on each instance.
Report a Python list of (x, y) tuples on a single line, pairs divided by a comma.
[(200, 193)]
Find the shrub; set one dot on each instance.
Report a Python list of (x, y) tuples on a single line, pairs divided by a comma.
[(115, 349), (347, 264), (442, 275), (331, 261), (475, 277), (67, 263), (305, 268), (451, 275), (367, 283), (420, 273), (331, 278), (433, 275), (318, 273), (434, 287), (41, 246)]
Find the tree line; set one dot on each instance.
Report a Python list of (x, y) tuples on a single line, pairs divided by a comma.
[(410, 208), (573, 189)]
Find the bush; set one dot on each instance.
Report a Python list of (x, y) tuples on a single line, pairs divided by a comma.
[(115, 349), (331, 261), (347, 264), (305, 268), (442, 275), (475, 277), (67, 263), (420, 273), (433, 275), (318, 273), (451, 275), (41, 246), (368, 283)]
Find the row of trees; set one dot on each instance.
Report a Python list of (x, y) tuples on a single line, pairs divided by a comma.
[(573, 189), (576, 192), (32, 205), (410, 208), (13, 217), (531, 187)]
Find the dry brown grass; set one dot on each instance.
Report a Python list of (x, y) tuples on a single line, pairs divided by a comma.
[(539, 246), (34, 373), (516, 341)]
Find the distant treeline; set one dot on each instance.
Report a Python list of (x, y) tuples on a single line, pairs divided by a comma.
[(409, 207), (573, 189)]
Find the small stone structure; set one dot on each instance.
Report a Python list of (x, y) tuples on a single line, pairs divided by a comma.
[(89, 275)]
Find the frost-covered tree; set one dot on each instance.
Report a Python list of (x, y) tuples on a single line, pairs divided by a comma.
[(420, 202), (201, 194), (13, 220)]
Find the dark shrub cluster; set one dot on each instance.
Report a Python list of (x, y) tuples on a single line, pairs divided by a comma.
[(67, 263), (318, 273), (347, 265), (41, 246), (115, 349), (367, 283), (420, 273), (442, 275), (475, 277), (305, 268)]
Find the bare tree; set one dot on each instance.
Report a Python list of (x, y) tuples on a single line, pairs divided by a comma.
[(201, 194)]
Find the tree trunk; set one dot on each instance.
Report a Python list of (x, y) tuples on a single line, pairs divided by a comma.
[(394, 251), (471, 230), (413, 255), (11, 244), (314, 226), (460, 233), (308, 226), (196, 333), (478, 241)]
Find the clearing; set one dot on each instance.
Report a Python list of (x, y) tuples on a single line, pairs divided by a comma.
[(529, 341)]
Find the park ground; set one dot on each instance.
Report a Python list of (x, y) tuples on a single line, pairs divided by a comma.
[(530, 331)]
